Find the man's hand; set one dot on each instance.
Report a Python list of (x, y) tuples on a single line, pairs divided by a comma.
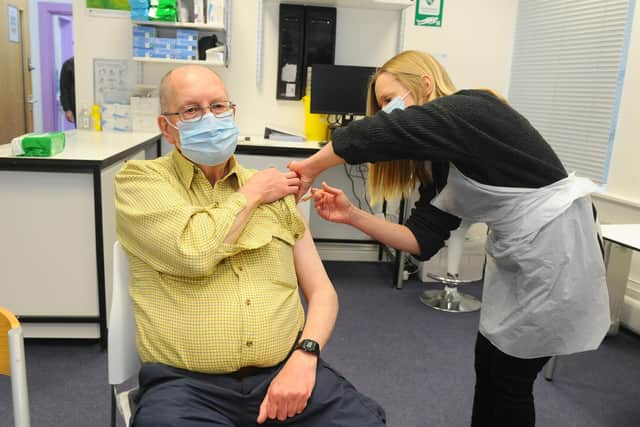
[(332, 204), (69, 115), (306, 178), (290, 390), (269, 185)]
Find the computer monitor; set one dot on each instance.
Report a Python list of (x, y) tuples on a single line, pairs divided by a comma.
[(340, 90)]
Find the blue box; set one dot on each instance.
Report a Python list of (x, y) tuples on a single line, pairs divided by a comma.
[(144, 31), (183, 34), (185, 54), (164, 42), (141, 52), (140, 14), (162, 52), (139, 4), (143, 42), (187, 44)]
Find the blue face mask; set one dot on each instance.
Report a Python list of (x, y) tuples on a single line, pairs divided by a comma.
[(396, 103), (210, 140)]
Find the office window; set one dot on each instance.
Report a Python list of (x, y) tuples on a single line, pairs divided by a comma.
[(568, 67)]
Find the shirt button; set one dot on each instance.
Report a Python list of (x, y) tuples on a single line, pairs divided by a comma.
[(239, 268), (215, 204), (249, 343), (248, 301)]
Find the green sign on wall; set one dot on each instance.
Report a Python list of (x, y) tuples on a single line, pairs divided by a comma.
[(429, 13), (108, 4)]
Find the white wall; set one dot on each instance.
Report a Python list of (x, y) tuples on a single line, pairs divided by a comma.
[(364, 37), (377, 30), (477, 39)]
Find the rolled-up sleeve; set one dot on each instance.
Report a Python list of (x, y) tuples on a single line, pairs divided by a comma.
[(430, 225)]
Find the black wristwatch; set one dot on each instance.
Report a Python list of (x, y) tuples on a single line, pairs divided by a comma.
[(310, 346)]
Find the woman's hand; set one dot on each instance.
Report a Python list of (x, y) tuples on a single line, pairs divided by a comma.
[(306, 178), (332, 205)]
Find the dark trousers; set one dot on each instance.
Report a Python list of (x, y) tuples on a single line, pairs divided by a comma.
[(178, 398), (504, 388)]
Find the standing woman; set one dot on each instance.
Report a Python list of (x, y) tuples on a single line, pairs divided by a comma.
[(477, 159)]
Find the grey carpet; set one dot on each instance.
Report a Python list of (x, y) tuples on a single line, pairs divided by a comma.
[(416, 361)]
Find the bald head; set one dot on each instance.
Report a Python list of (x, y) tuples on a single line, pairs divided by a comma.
[(186, 77)]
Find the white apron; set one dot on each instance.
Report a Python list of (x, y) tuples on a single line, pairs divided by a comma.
[(545, 292)]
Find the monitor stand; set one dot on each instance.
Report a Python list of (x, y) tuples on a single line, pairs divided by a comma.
[(345, 119)]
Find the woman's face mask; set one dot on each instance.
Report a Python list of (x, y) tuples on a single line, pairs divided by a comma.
[(396, 103), (210, 140)]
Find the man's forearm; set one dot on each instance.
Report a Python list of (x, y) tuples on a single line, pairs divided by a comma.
[(241, 220)]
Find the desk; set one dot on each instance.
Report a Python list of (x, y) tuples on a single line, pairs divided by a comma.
[(620, 242), (58, 219)]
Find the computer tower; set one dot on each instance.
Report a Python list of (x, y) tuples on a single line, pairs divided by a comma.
[(319, 37), (290, 52)]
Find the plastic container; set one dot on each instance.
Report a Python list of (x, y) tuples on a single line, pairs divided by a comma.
[(316, 126), (84, 121), (96, 117)]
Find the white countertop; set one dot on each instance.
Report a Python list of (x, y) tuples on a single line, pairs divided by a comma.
[(91, 145), (624, 234)]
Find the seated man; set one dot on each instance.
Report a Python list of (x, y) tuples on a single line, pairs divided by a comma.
[(216, 254)]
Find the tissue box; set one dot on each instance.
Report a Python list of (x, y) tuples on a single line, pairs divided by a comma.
[(142, 42), (187, 44), (185, 54), (187, 35), (141, 52), (144, 31), (163, 42), (39, 144), (161, 52)]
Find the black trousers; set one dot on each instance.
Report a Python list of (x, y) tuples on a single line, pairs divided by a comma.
[(171, 397), (504, 387)]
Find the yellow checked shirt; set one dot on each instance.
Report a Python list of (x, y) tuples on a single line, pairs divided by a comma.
[(199, 303)]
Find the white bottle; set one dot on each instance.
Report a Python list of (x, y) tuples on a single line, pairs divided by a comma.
[(84, 121)]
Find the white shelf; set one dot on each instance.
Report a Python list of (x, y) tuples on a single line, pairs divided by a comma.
[(357, 4), (188, 25), (178, 61)]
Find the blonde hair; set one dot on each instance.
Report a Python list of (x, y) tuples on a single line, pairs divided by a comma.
[(398, 178)]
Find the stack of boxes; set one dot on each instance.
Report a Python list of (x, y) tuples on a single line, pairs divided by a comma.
[(147, 45), (186, 44), (143, 38)]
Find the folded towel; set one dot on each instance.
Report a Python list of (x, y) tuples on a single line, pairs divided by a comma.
[(38, 144)]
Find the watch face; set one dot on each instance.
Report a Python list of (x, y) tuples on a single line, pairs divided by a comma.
[(310, 346)]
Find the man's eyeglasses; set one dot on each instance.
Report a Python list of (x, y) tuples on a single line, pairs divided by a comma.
[(195, 112)]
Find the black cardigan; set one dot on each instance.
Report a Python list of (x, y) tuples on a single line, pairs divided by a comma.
[(487, 140)]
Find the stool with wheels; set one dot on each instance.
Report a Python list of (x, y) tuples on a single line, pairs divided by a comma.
[(449, 298)]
